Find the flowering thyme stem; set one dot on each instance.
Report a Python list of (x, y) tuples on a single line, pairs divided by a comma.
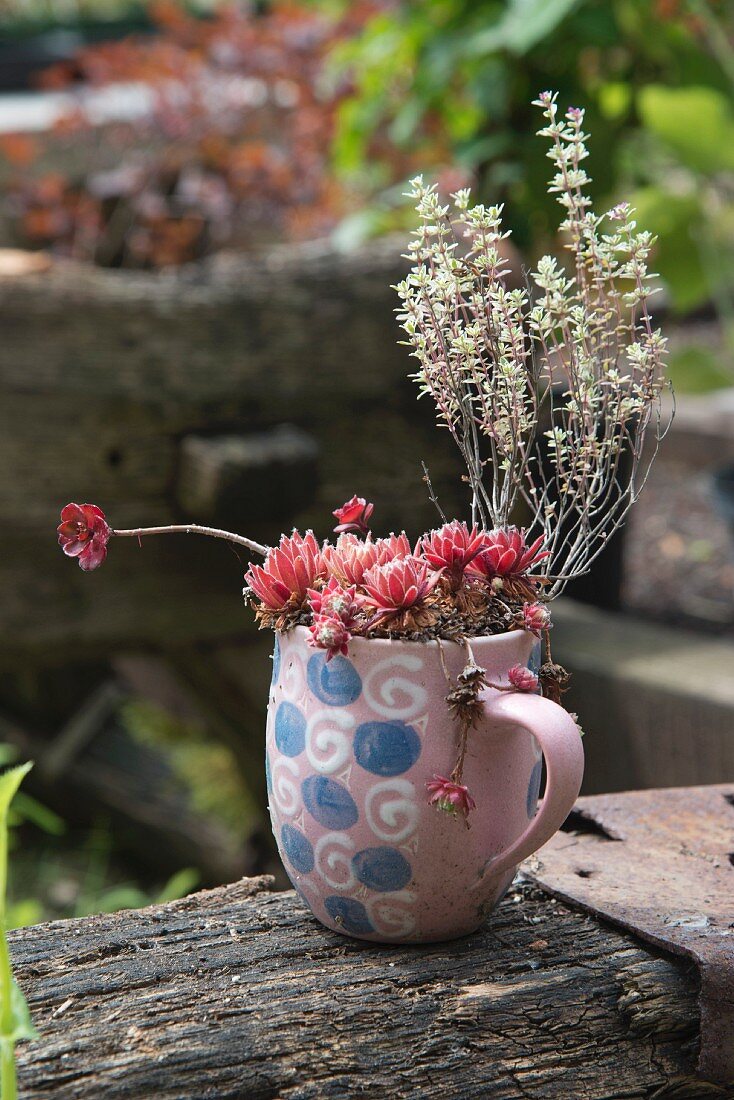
[(195, 529)]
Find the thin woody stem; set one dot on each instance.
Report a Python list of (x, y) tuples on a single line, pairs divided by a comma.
[(195, 529)]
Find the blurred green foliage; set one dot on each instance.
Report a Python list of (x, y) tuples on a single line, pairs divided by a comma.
[(71, 875), (450, 82)]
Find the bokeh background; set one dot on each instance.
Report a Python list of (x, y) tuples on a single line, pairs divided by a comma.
[(201, 216)]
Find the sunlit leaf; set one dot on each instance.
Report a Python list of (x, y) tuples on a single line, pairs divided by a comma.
[(22, 1024), (180, 884), (523, 25), (9, 783), (676, 220), (30, 809), (697, 123)]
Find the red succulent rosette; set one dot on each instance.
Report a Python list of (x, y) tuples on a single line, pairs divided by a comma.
[(330, 632), (290, 569), (452, 548), (397, 586), (84, 534), (536, 617), (507, 554)]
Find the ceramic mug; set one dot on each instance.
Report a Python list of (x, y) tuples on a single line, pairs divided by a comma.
[(351, 744)]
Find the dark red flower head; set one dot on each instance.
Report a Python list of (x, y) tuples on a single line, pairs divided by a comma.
[(84, 534), (354, 516)]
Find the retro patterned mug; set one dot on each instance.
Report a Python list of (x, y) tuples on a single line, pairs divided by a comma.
[(351, 744)]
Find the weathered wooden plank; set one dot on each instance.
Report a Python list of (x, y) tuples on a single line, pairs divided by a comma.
[(640, 689), (239, 993), (292, 319)]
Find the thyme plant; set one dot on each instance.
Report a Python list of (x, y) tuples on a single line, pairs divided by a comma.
[(570, 367)]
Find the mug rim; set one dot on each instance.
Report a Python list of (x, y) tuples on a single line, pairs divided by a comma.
[(484, 639)]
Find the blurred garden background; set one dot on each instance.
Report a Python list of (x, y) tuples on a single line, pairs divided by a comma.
[(201, 216)]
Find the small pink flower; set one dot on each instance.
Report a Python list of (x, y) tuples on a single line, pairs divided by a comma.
[(398, 585), (452, 548), (84, 534), (449, 796), (536, 617), (522, 679), (334, 600), (290, 569), (329, 632), (354, 516), (506, 554)]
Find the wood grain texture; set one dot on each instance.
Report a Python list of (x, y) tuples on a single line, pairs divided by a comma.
[(238, 993)]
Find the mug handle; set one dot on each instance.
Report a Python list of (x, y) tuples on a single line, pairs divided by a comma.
[(560, 742)]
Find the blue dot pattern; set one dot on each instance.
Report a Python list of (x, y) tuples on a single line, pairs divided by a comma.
[(382, 869), (534, 788), (336, 683), (268, 774), (297, 848), (290, 730), (386, 748), (349, 914), (329, 802)]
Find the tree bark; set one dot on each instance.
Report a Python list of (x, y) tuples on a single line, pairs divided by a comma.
[(239, 993)]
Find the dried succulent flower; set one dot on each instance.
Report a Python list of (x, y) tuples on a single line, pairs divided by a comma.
[(450, 797), (290, 569), (522, 679), (84, 534), (554, 680), (536, 617), (452, 548), (354, 516), (330, 632), (465, 700), (398, 591)]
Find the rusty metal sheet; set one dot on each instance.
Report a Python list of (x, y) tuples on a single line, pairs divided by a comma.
[(660, 863)]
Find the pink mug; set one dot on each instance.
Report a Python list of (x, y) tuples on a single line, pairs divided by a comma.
[(351, 745)]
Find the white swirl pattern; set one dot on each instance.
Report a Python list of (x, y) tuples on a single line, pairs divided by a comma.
[(390, 915), (383, 689), (328, 748), (285, 792), (293, 678), (391, 810), (334, 860)]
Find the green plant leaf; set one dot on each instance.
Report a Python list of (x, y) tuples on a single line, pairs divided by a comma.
[(30, 809), (523, 25), (699, 369), (22, 1023), (696, 123), (676, 220), (9, 783), (180, 884), (23, 913)]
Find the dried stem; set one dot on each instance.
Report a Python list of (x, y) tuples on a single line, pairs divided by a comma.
[(195, 529)]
